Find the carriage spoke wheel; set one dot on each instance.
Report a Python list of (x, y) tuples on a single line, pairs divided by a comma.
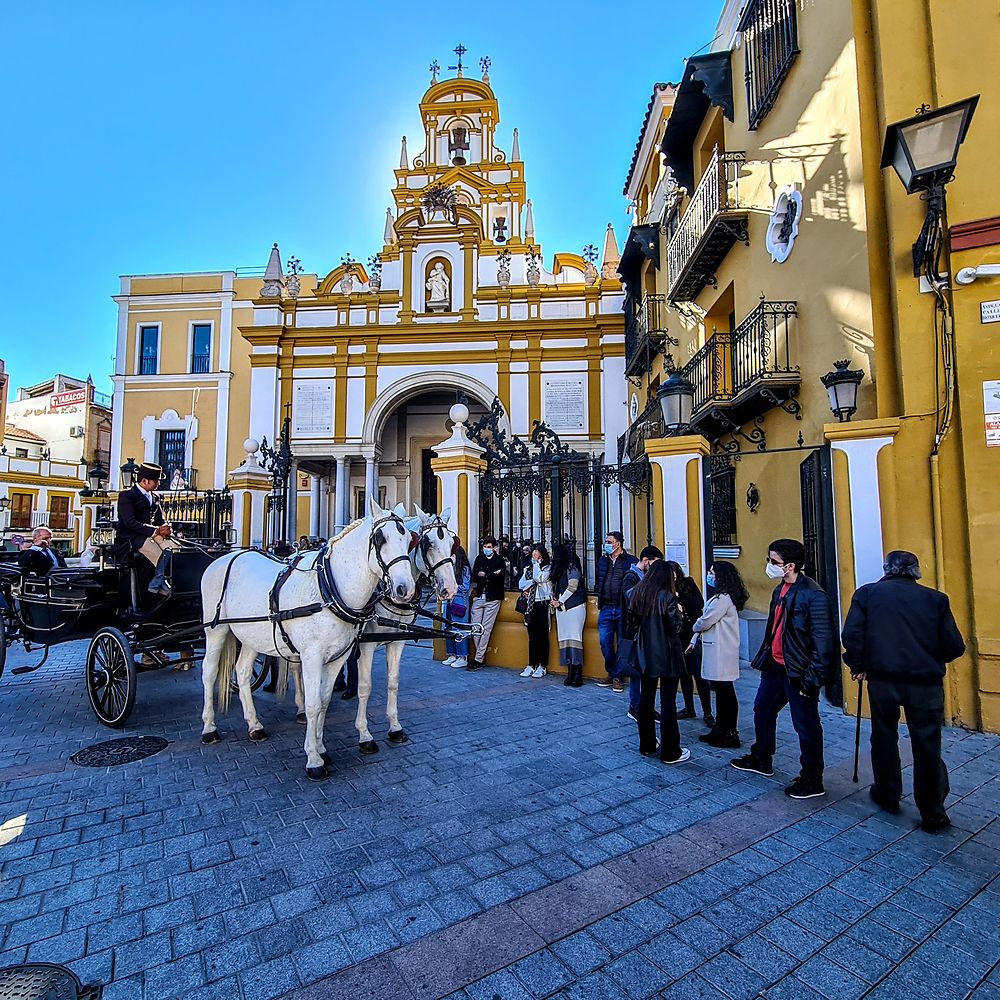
[(111, 677)]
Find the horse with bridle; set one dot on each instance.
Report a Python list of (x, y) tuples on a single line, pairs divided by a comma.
[(308, 610)]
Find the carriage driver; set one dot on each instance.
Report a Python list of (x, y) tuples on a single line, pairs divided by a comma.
[(142, 528)]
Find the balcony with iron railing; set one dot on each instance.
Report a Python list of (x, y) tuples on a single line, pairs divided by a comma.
[(714, 220), (645, 333), (648, 424), (741, 374), (54, 520)]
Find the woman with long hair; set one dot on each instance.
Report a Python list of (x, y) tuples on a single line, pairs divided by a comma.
[(692, 604), (458, 608), (661, 659), (718, 630), (534, 584), (569, 599)]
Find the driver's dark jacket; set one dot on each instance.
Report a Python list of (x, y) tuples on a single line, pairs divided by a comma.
[(810, 640), (138, 519)]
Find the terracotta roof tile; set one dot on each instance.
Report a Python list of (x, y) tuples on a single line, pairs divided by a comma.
[(10, 430)]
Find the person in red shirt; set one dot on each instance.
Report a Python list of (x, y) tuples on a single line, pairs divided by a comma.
[(796, 659)]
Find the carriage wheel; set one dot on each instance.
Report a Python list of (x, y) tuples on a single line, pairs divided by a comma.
[(258, 672), (3, 643), (111, 677)]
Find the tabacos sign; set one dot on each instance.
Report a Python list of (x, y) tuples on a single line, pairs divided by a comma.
[(72, 397)]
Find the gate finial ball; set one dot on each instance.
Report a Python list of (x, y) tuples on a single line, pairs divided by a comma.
[(459, 413)]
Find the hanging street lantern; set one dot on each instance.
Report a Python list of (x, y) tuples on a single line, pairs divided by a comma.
[(129, 471), (842, 387)]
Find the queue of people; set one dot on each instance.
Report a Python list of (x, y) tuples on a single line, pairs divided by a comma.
[(665, 639)]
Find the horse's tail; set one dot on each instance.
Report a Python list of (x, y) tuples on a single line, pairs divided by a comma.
[(282, 685), (227, 659)]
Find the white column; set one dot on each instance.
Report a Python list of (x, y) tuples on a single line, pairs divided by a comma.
[(371, 478), (449, 497), (866, 506), (344, 495), (315, 503), (676, 540)]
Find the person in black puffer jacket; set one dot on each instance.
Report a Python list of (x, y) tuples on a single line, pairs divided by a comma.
[(796, 659)]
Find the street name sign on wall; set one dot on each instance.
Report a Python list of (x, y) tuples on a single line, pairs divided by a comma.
[(991, 411), (989, 312)]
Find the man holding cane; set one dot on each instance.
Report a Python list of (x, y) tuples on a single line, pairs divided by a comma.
[(898, 636)]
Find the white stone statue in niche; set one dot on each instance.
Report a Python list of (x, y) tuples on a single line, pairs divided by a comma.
[(437, 284)]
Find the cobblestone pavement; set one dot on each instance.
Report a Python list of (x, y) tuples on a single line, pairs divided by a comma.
[(518, 847)]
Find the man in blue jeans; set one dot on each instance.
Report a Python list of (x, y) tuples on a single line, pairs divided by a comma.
[(633, 578), (796, 658), (611, 570)]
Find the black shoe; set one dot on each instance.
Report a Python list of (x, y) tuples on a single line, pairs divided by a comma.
[(935, 824), (883, 801), (687, 713), (709, 720), (805, 788), (604, 682), (722, 740), (473, 665), (569, 680), (758, 765), (633, 714), (650, 753)]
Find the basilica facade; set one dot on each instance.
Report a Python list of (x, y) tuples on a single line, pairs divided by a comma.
[(459, 304)]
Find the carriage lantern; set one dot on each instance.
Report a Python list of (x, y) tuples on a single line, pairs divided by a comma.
[(129, 471), (97, 476)]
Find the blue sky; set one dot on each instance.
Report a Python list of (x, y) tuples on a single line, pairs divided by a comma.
[(157, 137)]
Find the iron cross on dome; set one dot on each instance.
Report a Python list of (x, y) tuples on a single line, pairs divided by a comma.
[(459, 51)]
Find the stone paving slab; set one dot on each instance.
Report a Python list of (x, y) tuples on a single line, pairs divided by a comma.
[(518, 846)]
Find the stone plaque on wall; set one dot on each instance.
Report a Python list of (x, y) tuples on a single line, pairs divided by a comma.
[(312, 408), (564, 402)]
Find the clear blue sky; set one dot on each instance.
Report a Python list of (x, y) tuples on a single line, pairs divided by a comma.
[(151, 137)]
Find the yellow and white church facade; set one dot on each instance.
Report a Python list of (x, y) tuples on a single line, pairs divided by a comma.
[(458, 304)]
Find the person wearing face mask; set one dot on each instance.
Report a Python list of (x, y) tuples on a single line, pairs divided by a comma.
[(611, 570), (488, 573), (796, 658), (534, 583)]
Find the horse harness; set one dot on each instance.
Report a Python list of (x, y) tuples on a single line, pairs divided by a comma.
[(329, 591)]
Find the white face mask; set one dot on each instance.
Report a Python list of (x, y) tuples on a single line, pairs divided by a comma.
[(774, 572)]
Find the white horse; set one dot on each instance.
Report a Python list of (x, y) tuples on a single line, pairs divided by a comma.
[(433, 560), (309, 611)]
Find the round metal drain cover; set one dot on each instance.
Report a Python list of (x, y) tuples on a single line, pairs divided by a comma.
[(113, 752), (43, 982)]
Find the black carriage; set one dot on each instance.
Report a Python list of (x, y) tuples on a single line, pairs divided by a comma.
[(108, 603)]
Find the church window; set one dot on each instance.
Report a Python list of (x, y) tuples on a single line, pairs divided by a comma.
[(201, 348), (149, 349)]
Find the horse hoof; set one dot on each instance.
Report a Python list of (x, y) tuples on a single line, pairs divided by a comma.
[(317, 773), (327, 758), (258, 735), (398, 736), (301, 718), (212, 737), (368, 747)]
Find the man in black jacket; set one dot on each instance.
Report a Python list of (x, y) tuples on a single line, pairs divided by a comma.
[(611, 570), (142, 527), (39, 557), (899, 636), (488, 573), (795, 660)]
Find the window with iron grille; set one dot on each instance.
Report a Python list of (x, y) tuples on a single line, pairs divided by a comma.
[(201, 348), (723, 497), (770, 41)]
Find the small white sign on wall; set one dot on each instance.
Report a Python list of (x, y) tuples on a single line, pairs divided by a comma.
[(989, 312), (312, 407), (991, 411), (564, 401)]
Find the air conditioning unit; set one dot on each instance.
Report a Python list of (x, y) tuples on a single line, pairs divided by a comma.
[(76, 432)]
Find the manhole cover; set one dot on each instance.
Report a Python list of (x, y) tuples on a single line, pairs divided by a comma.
[(113, 752), (43, 982)]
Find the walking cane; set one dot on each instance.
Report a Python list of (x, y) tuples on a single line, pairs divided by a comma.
[(857, 729)]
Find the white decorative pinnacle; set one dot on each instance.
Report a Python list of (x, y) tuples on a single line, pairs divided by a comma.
[(529, 222), (273, 276), (609, 266), (515, 148), (390, 228), (404, 159)]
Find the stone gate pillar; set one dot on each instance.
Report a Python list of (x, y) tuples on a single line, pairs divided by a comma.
[(457, 465), (250, 484)]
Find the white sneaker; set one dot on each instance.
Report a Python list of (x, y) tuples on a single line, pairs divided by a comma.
[(538, 672), (449, 661), (461, 662), (685, 755), (528, 671)]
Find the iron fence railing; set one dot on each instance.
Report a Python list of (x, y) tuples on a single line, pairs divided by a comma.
[(645, 331), (761, 345), (200, 363), (179, 479), (770, 36), (717, 192)]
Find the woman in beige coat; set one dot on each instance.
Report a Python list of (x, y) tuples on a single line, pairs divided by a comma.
[(718, 629)]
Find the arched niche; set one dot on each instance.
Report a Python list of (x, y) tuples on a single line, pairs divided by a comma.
[(439, 285)]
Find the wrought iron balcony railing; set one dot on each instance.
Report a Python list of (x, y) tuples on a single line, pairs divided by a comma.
[(770, 36), (761, 348), (649, 424), (645, 333), (715, 218)]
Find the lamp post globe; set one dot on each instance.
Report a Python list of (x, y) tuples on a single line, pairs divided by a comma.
[(676, 399), (842, 387), (129, 471)]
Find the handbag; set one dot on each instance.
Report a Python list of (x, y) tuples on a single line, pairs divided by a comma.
[(525, 601), (627, 663), (458, 608)]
